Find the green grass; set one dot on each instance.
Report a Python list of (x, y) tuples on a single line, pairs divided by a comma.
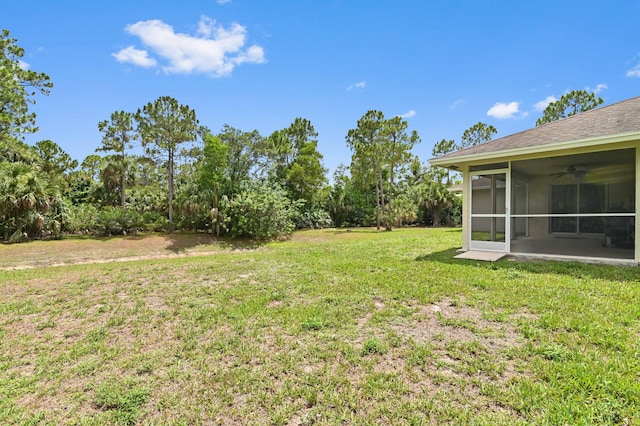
[(331, 327)]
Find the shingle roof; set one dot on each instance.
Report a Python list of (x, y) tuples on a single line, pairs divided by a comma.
[(618, 118)]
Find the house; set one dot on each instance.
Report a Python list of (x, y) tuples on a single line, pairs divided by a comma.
[(566, 189)]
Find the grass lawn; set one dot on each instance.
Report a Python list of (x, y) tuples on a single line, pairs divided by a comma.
[(331, 327)]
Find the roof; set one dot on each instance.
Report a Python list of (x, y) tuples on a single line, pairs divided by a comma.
[(619, 118)]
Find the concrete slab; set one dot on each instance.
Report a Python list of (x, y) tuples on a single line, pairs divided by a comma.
[(486, 256)]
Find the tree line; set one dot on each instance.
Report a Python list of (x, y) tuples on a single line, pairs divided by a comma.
[(234, 183)]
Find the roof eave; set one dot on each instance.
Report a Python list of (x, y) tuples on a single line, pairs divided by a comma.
[(455, 161)]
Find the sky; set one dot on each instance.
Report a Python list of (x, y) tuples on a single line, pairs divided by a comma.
[(442, 65)]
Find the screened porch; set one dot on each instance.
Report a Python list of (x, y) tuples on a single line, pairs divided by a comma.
[(574, 205)]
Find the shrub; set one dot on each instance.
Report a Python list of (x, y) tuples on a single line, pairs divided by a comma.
[(154, 221), (315, 218), (82, 218), (115, 221), (261, 211)]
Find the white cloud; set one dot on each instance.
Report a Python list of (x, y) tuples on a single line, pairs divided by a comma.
[(541, 105), (599, 88), (358, 85), (408, 114), (222, 1), (206, 26), (634, 72), (214, 50), (503, 110), (135, 56), (457, 103)]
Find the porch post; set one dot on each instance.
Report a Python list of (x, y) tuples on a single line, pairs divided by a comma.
[(636, 244), (466, 207)]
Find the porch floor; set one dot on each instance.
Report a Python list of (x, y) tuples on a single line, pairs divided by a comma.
[(569, 246)]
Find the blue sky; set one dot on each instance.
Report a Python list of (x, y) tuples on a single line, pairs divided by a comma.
[(444, 65)]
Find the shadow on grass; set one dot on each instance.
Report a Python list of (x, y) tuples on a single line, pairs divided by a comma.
[(340, 231), (180, 242), (573, 269)]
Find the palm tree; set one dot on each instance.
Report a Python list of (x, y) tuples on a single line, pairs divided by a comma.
[(25, 200)]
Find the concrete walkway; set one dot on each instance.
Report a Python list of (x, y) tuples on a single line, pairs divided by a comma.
[(487, 256)]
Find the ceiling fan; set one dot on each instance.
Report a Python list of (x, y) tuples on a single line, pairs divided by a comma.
[(571, 170)]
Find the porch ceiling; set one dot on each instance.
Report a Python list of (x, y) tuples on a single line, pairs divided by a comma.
[(588, 162)]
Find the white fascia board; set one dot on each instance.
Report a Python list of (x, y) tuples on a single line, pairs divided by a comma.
[(538, 149)]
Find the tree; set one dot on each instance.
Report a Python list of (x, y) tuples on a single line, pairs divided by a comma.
[(163, 125), (435, 198), (346, 204), (14, 151), (118, 134), (262, 211), (242, 155), (398, 146), (55, 164), (53, 160), (569, 104), (295, 163), (211, 179), (445, 146), (367, 144), (306, 175), (18, 85), (477, 134), (27, 200), (379, 148)]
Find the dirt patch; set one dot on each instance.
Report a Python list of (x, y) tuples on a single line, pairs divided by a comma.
[(72, 251), (447, 348)]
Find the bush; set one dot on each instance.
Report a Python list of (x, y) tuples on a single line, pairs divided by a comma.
[(316, 218), (82, 219), (115, 221), (154, 221), (261, 211)]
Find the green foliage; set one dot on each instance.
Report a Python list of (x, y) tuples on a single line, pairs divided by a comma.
[(445, 146), (163, 125), (477, 134), (29, 202), (346, 204), (294, 161), (381, 149), (13, 151), (115, 221), (118, 134), (18, 85), (154, 221), (83, 218), (145, 199), (439, 203), (316, 218), (569, 104), (53, 160), (261, 211), (243, 153), (203, 198)]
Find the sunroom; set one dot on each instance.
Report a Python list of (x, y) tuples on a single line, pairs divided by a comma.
[(567, 189)]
